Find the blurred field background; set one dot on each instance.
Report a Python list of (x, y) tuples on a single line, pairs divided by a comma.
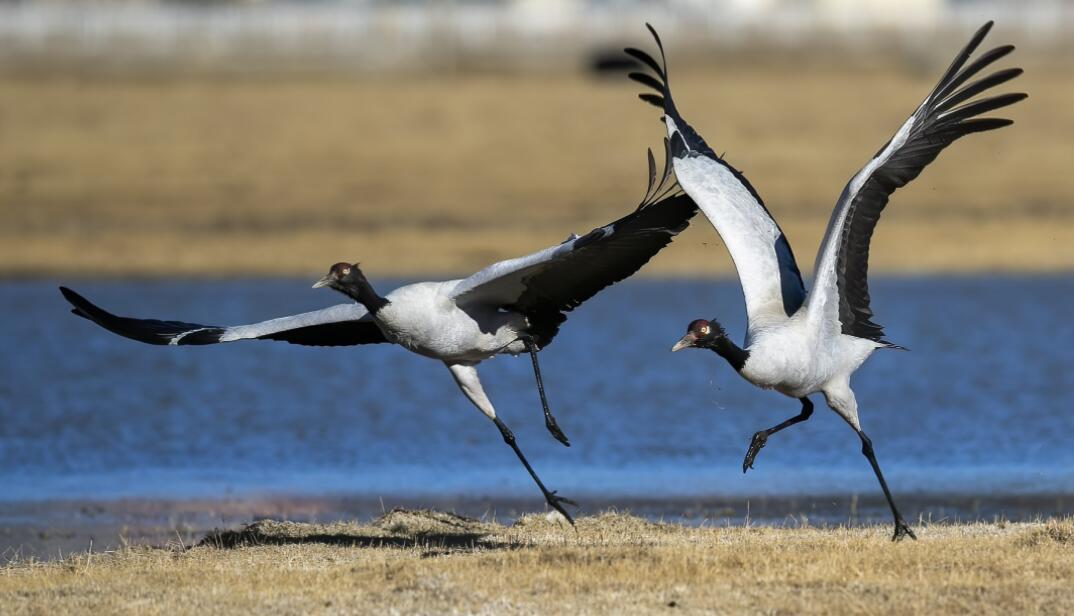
[(216, 138)]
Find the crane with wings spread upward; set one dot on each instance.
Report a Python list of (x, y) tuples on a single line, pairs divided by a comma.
[(800, 343)]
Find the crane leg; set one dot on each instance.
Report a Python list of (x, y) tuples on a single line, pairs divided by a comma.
[(549, 420), (555, 501), (761, 438), (466, 378), (902, 529)]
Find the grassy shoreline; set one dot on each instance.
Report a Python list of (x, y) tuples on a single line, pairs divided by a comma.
[(418, 561)]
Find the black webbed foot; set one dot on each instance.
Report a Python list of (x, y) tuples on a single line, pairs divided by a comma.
[(758, 443)]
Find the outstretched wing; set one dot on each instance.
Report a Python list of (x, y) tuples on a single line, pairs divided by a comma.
[(341, 325), (547, 284), (771, 282), (841, 287)]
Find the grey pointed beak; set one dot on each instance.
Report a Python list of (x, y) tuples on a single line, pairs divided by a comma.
[(323, 282), (685, 342)]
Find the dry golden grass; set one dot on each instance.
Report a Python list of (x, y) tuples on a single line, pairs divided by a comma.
[(202, 175), (436, 563)]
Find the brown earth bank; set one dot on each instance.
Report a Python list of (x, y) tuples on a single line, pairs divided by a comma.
[(432, 562), (440, 175)]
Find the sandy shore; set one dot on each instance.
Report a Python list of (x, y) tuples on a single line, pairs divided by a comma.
[(429, 562), (441, 175)]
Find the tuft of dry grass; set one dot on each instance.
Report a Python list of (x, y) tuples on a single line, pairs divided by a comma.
[(1054, 532), (424, 174), (431, 562)]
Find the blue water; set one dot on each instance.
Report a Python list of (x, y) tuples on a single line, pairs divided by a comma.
[(980, 406)]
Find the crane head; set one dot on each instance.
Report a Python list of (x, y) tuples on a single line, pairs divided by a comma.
[(700, 334), (339, 274)]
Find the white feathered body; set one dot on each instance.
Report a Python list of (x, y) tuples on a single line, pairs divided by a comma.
[(425, 319), (796, 359)]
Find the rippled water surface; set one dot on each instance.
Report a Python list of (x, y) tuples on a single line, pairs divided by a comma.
[(981, 406)]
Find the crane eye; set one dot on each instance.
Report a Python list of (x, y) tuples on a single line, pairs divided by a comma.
[(346, 271), (705, 329)]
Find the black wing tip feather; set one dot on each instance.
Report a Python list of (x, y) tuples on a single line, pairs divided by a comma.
[(150, 331), (660, 46), (83, 307), (952, 109), (944, 96), (659, 83), (948, 114), (660, 97), (658, 223), (646, 79), (980, 125), (653, 99), (666, 185), (75, 299), (647, 60), (959, 115), (655, 35), (952, 99), (967, 51)]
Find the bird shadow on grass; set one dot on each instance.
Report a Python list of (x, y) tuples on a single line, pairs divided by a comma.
[(433, 531)]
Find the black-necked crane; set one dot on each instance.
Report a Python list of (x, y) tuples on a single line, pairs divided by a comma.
[(515, 306), (797, 343)]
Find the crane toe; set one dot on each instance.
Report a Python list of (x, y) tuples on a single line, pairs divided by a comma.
[(758, 443), (903, 530), (557, 502), (553, 428)]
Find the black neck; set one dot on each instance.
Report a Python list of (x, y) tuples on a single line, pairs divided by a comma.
[(363, 292), (735, 355)]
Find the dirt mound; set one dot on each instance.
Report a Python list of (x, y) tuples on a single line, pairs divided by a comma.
[(276, 532), (425, 522), (399, 527)]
